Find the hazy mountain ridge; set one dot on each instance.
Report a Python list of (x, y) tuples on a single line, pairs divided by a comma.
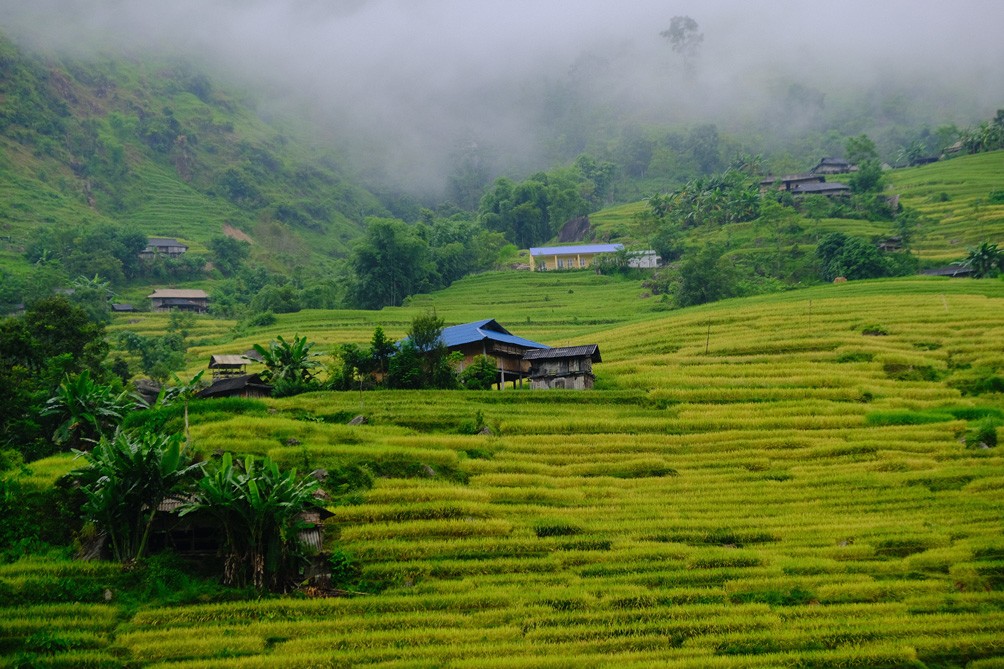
[(158, 145)]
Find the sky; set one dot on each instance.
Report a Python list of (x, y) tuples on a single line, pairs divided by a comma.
[(416, 81)]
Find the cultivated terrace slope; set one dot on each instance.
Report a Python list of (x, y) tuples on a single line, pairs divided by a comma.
[(161, 147), (794, 480)]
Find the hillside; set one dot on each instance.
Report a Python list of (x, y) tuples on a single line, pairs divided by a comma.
[(161, 147), (953, 200), (787, 480)]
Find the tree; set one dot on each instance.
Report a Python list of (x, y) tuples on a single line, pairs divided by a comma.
[(125, 479), (481, 374), (381, 350), (94, 297), (422, 360), (868, 178), (257, 509), (181, 391), (228, 253), (851, 258), (160, 355), (390, 263), (38, 350), (404, 370), (532, 211), (706, 276), (58, 328), (703, 143), (860, 149), (685, 39)]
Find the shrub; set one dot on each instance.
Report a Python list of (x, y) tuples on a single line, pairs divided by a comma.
[(874, 330), (555, 528), (481, 374), (984, 433), (978, 381)]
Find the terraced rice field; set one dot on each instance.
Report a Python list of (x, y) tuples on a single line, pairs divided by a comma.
[(775, 482), (955, 199)]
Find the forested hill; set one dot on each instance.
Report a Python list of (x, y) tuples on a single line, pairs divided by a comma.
[(165, 150)]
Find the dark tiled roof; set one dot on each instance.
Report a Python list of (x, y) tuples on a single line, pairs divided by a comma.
[(585, 351), (789, 178), (235, 384), (832, 187), (951, 270)]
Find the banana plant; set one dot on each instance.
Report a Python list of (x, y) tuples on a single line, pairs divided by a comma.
[(125, 479), (288, 362), (87, 410), (257, 508)]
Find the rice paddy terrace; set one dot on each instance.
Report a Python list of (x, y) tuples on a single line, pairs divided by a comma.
[(794, 480)]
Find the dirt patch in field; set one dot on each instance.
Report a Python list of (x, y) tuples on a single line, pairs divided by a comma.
[(231, 231)]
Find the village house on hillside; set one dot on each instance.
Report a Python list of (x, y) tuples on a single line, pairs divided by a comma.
[(543, 258), (790, 181), (831, 165), (163, 246), (166, 299), (487, 337), (519, 359), (804, 184), (242, 385), (828, 188), (564, 367), (228, 365)]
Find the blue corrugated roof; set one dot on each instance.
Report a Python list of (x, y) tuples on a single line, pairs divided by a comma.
[(571, 250), (467, 333)]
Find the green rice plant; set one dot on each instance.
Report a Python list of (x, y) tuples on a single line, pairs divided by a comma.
[(74, 659), (902, 417), (429, 528), (555, 528)]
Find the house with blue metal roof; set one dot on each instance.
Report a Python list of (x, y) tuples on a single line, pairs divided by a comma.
[(581, 256), (578, 256), (487, 337)]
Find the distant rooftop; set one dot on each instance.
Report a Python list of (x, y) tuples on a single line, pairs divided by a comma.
[(182, 293), (831, 187), (585, 351), (572, 250)]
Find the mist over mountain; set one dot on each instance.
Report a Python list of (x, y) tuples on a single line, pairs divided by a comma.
[(412, 88)]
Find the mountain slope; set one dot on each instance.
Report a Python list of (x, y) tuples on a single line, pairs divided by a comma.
[(161, 147)]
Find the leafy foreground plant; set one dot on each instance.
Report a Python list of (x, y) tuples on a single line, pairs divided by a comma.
[(289, 365), (88, 410), (124, 482), (258, 510)]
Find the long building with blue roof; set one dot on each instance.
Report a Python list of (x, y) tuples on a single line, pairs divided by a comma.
[(577, 256)]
